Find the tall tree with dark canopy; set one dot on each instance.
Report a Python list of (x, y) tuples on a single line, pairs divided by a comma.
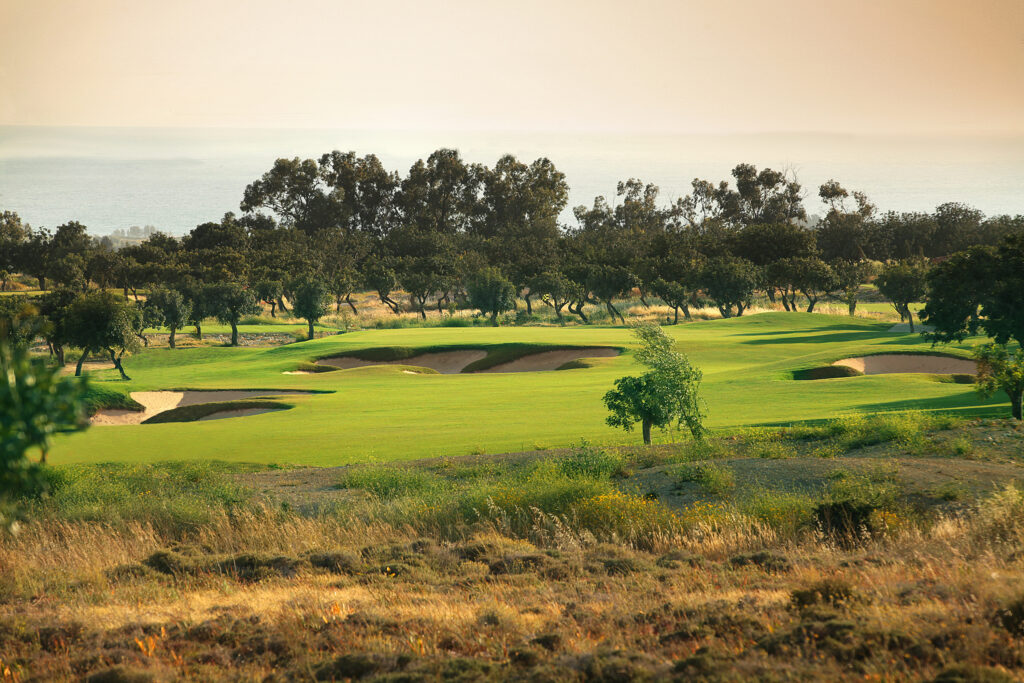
[(730, 284), (310, 302), (171, 308), (228, 302), (491, 293), (100, 321), (903, 283), (979, 291)]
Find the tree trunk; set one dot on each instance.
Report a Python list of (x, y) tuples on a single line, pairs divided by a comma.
[(234, 333), (199, 331), (494, 318), (529, 304), (280, 302), (81, 359), (647, 432), (675, 309), (348, 300), (852, 305), (273, 308), (726, 312), (1016, 399), (42, 282), (785, 302), (170, 339), (614, 311), (739, 310), (59, 351), (116, 360), (686, 311), (310, 328), (810, 303), (910, 319)]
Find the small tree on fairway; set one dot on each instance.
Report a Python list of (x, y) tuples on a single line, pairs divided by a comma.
[(171, 308), (229, 302), (666, 393), (491, 293), (101, 321), (311, 301), (903, 283)]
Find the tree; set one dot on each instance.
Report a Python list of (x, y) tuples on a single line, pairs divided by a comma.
[(228, 302), (100, 321), (668, 392), (977, 291), (555, 289), (310, 301), (36, 402), (269, 292), (850, 275), (903, 283), (730, 283), (491, 293), (999, 369), (813, 277), (171, 308)]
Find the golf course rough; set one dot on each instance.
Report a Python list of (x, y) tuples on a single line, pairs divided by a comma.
[(383, 413)]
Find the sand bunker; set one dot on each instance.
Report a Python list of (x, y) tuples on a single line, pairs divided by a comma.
[(159, 401), (445, 362), (551, 360), (906, 362)]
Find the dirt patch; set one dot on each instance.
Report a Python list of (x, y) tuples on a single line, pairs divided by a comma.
[(156, 402), (908, 363), (546, 361), (445, 362)]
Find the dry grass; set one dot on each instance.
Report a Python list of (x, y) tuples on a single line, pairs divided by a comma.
[(731, 600)]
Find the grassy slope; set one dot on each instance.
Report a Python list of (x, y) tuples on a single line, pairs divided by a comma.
[(383, 414)]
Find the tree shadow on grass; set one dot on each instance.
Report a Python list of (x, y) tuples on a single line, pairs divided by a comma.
[(964, 402), (834, 338), (863, 329)]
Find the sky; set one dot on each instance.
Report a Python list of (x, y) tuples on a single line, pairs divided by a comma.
[(888, 67)]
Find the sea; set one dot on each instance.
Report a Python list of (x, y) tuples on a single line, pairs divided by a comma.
[(176, 178)]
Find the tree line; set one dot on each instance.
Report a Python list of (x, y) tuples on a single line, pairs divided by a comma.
[(452, 234)]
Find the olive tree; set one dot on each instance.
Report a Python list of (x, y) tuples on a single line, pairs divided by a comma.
[(100, 321), (978, 291), (491, 293), (228, 302), (903, 283), (730, 283), (667, 393), (171, 309), (310, 301)]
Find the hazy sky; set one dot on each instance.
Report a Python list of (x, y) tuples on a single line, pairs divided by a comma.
[(717, 66)]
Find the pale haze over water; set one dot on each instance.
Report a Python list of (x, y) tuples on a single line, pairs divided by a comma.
[(174, 179)]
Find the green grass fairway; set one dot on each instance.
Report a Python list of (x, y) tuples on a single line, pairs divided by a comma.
[(381, 413)]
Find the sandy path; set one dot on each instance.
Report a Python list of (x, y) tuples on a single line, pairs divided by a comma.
[(906, 362), (160, 401), (445, 362), (551, 360)]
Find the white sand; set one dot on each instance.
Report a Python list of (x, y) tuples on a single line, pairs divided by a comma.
[(445, 362), (906, 362), (551, 360), (160, 401)]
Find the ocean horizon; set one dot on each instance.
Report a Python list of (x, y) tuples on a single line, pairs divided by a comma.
[(177, 178)]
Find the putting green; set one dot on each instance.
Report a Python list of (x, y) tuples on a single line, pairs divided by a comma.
[(383, 413)]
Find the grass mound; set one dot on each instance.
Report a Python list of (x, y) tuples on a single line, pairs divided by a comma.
[(200, 410), (99, 398), (826, 372)]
